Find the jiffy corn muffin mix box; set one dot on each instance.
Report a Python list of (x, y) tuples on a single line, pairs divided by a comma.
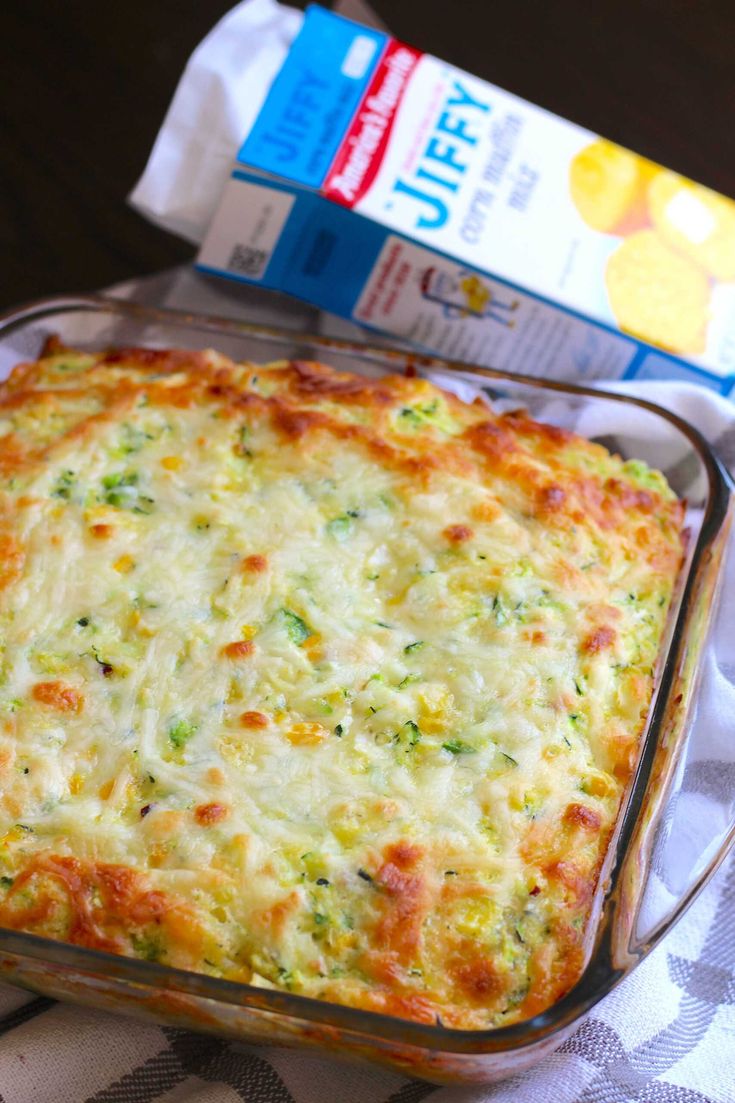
[(398, 191)]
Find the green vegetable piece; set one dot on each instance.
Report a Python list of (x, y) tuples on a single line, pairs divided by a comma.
[(64, 485), (457, 746), (532, 804), (411, 647), (180, 732), (408, 680), (298, 630), (132, 439), (501, 616), (415, 416), (149, 949), (643, 474), (120, 489), (341, 527), (241, 447), (119, 478), (409, 735)]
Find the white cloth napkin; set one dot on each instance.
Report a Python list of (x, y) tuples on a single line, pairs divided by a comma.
[(665, 1035), (216, 102)]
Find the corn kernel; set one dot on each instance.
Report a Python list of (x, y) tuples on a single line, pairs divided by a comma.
[(432, 725), (475, 917), (11, 805), (157, 855), (172, 463), (314, 865), (347, 827), (435, 706), (124, 564), (234, 750), (313, 647), (596, 785), (307, 734), (11, 836)]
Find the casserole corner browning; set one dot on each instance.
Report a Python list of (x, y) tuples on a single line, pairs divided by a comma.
[(316, 681)]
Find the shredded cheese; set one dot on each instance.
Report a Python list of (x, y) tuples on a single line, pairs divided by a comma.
[(329, 683)]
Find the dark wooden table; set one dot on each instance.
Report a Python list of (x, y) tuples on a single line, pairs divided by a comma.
[(85, 86)]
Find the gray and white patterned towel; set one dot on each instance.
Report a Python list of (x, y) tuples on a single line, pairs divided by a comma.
[(665, 1035)]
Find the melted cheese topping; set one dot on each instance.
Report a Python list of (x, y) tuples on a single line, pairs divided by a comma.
[(316, 681)]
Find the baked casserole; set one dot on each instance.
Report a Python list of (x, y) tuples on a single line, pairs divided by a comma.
[(316, 681)]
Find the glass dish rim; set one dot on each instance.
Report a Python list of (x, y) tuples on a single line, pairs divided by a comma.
[(599, 975)]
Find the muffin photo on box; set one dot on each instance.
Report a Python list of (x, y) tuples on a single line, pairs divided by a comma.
[(696, 221), (608, 185), (657, 294)]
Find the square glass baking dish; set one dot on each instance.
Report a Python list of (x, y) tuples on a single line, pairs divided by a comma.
[(629, 917)]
